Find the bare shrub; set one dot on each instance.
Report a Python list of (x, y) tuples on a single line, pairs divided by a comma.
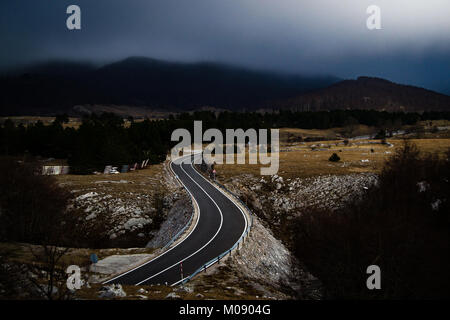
[(33, 210), (398, 226), (32, 206), (334, 158)]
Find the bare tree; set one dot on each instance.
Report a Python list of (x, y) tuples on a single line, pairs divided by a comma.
[(33, 210), (47, 274)]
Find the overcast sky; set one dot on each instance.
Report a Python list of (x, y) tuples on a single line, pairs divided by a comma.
[(297, 36)]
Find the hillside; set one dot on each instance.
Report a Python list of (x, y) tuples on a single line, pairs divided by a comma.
[(58, 86), (149, 84), (369, 93)]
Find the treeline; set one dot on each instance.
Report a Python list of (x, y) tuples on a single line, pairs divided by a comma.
[(104, 139), (309, 120), (100, 140)]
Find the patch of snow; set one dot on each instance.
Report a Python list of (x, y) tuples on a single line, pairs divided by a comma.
[(435, 205), (91, 216), (87, 195), (112, 291), (423, 186), (173, 296)]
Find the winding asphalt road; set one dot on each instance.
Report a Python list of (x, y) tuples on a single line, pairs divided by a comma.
[(219, 226)]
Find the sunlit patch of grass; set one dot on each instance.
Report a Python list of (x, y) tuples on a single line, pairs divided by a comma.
[(296, 134), (144, 181), (300, 160)]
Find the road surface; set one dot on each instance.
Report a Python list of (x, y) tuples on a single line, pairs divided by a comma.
[(219, 226)]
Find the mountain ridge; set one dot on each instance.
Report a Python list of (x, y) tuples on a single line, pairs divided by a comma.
[(57, 86), (367, 92), (147, 82)]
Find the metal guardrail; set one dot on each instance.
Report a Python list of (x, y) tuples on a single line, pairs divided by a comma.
[(237, 198), (236, 245)]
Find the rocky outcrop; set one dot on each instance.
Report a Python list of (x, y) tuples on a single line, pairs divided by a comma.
[(279, 196), (177, 218), (276, 200), (266, 261), (112, 291), (128, 213)]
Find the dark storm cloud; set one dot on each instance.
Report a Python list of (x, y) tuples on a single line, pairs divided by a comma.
[(320, 36)]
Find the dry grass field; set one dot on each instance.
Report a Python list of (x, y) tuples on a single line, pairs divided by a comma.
[(303, 160), (295, 134), (27, 120), (25, 253), (148, 180), (438, 123)]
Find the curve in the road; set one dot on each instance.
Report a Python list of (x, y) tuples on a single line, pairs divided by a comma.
[(220, 224)]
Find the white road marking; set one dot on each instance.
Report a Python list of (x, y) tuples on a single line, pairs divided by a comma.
[(195, 203), (227, 196), (232, 200), (161, 255), (215, 235)]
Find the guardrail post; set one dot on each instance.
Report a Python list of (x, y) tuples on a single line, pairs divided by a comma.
[(204, 268)]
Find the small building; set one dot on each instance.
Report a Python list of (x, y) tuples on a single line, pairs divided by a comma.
[(55, 170)]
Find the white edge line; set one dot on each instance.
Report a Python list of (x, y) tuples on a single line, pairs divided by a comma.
[(195, 202), (229, 198), (240, 209), (207, 266), (206, 244), (142, 265)]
